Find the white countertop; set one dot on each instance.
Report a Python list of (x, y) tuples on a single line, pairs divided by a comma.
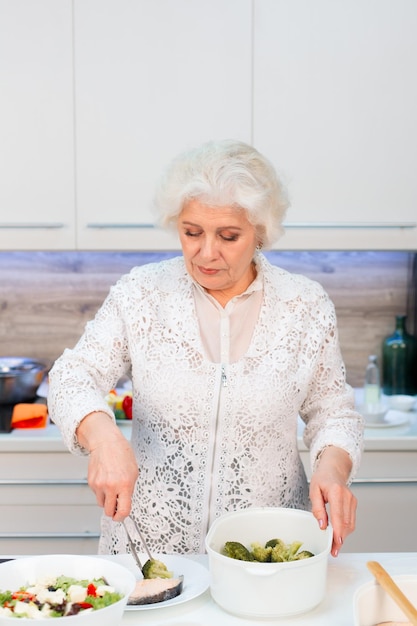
[(402, 437), (394, 438), (32, 440), (345, 574)]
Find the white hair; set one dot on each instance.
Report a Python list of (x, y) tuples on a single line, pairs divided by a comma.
[(220, 173)]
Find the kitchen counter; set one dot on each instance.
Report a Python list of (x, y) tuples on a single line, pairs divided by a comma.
[(402, 437), (394, 438), (345, 575), (32, 440)]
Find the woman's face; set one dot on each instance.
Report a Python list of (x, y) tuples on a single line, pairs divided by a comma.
[(218, 245)]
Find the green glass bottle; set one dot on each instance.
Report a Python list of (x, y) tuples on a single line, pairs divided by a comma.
[(399, 361)]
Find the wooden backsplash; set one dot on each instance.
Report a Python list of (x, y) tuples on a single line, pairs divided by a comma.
[(46, 298)]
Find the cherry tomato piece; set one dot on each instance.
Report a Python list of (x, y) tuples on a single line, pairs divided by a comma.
[(23, 595), (84, 605), (127, 406), (92, 590)]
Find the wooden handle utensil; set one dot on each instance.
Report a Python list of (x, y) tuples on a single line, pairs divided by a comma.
[(393, 590)]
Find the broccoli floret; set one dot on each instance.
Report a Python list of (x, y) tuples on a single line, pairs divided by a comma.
[(283, 552), (155, 569), (274, 542), (278, 550), (292, 550), (236, 550), (274, 551), (277, 554), (260, 553), (304, 554)]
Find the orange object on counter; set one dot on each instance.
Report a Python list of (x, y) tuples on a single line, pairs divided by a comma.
[(29, 416)]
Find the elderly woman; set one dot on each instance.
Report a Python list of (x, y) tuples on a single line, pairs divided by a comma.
[(224, 351)]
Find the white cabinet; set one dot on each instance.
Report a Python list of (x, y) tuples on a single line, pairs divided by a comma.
[(335, 109), (36, 125), (386, 490), (151, 79), (46, 506), (99, 95)]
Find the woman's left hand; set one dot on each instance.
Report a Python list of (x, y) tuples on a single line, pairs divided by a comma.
[(328, 486)]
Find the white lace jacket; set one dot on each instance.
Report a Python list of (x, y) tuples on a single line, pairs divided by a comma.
[(208, 440)]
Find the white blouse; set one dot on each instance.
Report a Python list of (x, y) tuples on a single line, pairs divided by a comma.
[(226, 331), (215, 413)]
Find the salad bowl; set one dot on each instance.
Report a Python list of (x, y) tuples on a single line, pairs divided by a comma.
[(29, 581)]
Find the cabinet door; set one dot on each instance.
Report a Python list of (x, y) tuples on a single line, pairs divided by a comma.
[(152, 79), (36, 125), (386, 491), (386, 517), (335, 109), (45, 510)]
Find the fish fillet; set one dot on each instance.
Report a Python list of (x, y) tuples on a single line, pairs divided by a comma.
[(152, 590)]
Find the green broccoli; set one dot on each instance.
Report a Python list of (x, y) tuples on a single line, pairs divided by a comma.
[(274, 551), (304, 554), (155, 569), (278, 550), (274, 542), (236, 550), (278, 553), (261, 553), (292, 550)]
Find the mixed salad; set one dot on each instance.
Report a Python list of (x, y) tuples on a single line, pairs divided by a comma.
[(57, 597), (121, 402)]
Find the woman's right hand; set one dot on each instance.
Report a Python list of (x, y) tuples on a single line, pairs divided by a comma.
[(112, 468)]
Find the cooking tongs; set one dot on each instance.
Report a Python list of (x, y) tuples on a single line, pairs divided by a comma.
[(132, 545)]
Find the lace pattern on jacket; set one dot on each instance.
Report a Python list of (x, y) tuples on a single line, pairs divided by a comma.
[(204, 447)]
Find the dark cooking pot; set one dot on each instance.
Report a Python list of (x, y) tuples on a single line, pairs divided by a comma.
[(20, 378)]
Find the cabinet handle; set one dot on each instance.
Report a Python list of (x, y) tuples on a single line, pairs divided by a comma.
[(119, 225), (85, 535), (43, 481), (32, 225), (357, 225)]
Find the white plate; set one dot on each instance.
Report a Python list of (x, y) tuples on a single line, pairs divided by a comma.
[(196, 578), (392, 418)]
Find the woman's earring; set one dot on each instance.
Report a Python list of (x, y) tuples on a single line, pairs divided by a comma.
[(259, 247)]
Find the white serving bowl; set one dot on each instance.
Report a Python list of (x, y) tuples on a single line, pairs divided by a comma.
[(268, 590), (401, 402), (19, 572), (372, 605)]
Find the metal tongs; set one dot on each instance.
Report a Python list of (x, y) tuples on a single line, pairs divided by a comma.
[(132, 545)]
